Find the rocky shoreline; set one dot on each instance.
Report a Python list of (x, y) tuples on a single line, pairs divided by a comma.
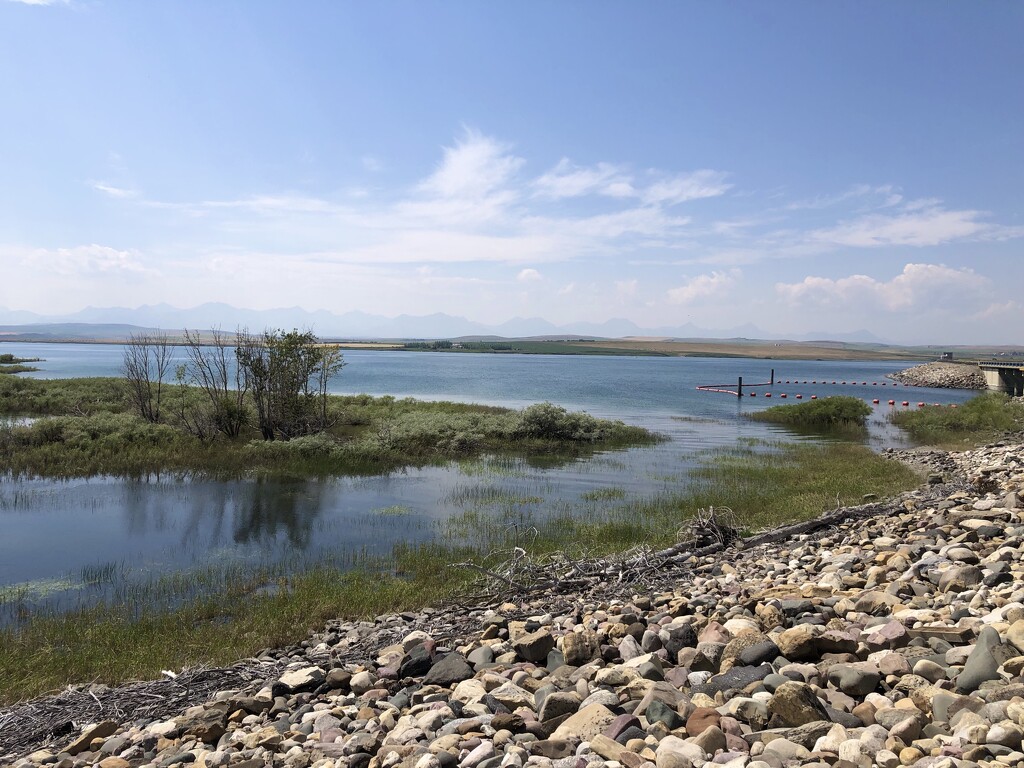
[(893, 636), (942, 376)]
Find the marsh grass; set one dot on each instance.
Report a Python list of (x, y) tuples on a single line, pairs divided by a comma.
[(107, 643), (604, 494), (981, 419), (395, 510), (488, 495)]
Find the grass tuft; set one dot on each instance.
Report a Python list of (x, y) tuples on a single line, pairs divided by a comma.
[(840, 411)]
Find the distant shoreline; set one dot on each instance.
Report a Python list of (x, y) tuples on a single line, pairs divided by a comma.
[(743, 348), (763, 350)]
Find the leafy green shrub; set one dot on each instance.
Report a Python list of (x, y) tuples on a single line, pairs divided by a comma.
[(110, 431), (547, 421), (829, 412)]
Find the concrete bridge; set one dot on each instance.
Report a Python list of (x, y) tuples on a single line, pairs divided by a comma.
[(1004, 377)]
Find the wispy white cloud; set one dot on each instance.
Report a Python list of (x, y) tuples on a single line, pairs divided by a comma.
[(687, 186), (932, 286), (83, 260), (916, 224), (121, 193), (882, 196), (279, 205), (529, 275), (41, 2), (626, 289), (476, 166), (704, 286), (568, 180)]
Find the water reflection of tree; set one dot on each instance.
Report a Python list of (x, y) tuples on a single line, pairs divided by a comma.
[(256, 512), (279, 506)]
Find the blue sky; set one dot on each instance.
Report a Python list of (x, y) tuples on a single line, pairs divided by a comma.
[(802, 166)]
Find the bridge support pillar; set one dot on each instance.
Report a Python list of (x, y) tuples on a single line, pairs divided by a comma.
[(1015, 383), (1005, 379), (994, 380)]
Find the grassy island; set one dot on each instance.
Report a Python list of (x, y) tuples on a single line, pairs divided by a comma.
[(86, 427), (831, 414), (12, 364)]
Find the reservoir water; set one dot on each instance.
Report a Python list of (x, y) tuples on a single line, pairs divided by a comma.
[(64, 542)]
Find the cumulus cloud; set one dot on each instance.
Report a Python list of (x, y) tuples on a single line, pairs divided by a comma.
[(917, 286), (529, 275), (704, 286), (1004, 311)]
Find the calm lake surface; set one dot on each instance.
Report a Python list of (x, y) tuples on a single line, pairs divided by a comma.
[(66, 542)]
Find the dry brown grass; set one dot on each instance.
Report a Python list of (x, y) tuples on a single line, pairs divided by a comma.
[(363, 345), (764, 350)]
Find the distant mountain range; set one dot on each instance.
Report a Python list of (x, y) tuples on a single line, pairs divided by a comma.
[(117, 322)]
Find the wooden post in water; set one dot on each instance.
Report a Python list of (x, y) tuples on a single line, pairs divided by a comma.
[(739, 387), (771, 379)]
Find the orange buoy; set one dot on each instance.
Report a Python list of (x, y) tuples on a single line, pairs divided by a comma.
[(892, 402), (844, 382), (767, 394), (920, 405), (905, 402), (783, 395), (753, 394), (875, 401), (952, 405), (799, 397)]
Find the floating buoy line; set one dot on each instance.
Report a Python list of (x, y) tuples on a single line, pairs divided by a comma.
[(737, 389)]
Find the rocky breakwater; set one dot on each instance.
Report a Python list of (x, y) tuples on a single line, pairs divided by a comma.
[(892, 640), (942, 376)]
